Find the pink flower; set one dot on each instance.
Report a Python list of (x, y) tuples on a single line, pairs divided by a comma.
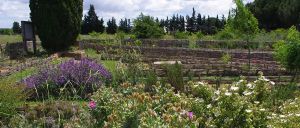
[(190, 114), (92, 104)]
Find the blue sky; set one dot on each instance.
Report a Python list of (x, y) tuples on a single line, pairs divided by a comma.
[(17, 10)]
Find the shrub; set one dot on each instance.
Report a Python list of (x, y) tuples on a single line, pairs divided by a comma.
[(235, 105), (287, 52), (71, 78), (174, 76), (146, 27), (53, 114), (181, 35), (59, 28)]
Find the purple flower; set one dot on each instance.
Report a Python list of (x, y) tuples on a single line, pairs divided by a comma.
[(84, 72), (92, 104), (190, 114)]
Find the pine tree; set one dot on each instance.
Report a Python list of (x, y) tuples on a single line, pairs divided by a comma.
[(191, 22), (16, 28), (111, 26), (199, 22), (182, 24), (91, 22)]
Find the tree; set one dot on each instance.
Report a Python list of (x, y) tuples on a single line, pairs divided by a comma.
[(146, 27), (58, 22), (111, 26), (124, 25), (242, 22), (276, 14), (191, 22), (92, 23), (16, 28), (287, 52)]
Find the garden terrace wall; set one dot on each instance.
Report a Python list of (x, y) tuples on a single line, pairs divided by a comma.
[(234, 44), (204, 62), (159, 43)]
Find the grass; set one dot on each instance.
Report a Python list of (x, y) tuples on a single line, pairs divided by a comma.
[(18, 75), (10, 39)]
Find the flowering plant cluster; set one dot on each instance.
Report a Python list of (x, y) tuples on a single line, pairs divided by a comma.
[(75, 77), (242, 104)]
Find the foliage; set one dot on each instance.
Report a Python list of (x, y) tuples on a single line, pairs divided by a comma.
[(125, 25), (174, 76), (287, 52), (242, 104), (92, 23), (181, 35), (59, 28), (226, 58), (276, 14), (111, 26), (52, 114), (71, 78), (6, 32), (11, 97), (242, 22), (146, 27), (16, 28)]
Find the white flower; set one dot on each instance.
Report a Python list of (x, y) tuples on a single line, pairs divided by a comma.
[(249, 85), (262, 109), (208, 106), (256, 102), (282, 116), (217, 92), (196, 85), (200, 83), (228, 93), (272, 83), (298, 115), (248, 110), (178, 95), (247, 93), (234, 88)]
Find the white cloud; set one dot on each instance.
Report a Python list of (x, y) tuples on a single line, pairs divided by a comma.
[(17, 10)]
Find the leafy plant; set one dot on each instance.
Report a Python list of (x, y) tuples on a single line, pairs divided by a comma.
[(146, 27), (174, 76)]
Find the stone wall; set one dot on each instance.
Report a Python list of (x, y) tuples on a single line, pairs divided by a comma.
[(205, 62)]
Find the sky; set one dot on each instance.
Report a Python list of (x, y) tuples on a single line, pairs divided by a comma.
[(18, 10)]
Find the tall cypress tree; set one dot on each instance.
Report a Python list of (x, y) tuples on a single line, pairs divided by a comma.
[(199, 22), (57, 22), (111, 26), (91, 22), (191, 22)]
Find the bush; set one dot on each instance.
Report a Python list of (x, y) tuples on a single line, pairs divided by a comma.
[(287, 52), (174, 76), (146, 27), (181, 35), (71, 78), (59, 28), (242, 104), (53, 114)]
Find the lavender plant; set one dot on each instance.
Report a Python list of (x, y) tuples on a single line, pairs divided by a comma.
[(70, 78)]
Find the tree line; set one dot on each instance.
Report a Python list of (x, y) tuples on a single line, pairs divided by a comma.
[(276, 13), (176, 23)]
